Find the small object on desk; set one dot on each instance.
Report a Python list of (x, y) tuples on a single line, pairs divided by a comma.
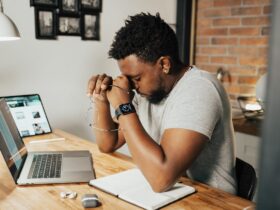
[(70, 194), (90, 201), (46, 140)]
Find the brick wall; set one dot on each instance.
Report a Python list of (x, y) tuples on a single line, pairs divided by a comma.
[(233, 34)]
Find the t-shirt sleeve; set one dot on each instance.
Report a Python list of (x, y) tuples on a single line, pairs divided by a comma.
[(198, 108)]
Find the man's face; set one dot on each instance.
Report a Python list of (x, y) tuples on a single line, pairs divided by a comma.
[(146, 78)]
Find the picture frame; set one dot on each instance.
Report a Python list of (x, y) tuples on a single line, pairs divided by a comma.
[(45, 23), (69, 25), (91, 5), (44, 3), (69, 7), (90, 25)]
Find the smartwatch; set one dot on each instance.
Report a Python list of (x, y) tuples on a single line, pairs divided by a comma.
[(124, 109)]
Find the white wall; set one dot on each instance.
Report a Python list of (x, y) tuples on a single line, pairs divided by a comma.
[(59, 69)]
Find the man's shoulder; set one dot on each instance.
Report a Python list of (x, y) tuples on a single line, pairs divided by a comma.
[(199, 74), (197, 80), (201, 80)]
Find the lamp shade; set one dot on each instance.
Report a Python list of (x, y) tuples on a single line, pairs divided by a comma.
[(8, 29)]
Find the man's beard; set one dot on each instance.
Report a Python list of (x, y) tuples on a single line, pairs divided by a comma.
[(157, 96)]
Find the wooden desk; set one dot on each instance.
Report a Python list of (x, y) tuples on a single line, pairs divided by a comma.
[(48, 196)]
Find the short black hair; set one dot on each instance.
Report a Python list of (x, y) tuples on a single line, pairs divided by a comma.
[(146, 36)]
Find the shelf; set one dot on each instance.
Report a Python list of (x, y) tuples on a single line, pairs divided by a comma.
[(251, 127)]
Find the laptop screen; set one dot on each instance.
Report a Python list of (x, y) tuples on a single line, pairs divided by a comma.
[(29, 114), (11, 144)]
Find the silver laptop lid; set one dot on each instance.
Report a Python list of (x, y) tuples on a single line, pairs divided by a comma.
[(11, 143)]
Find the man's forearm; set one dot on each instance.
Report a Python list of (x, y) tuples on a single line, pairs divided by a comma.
[(147, 154), (104, 126), (161, 164)]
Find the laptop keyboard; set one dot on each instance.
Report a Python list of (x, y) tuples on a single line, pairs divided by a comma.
[(45, 166)]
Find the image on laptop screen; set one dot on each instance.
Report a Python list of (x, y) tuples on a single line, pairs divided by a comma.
[(29, 114)]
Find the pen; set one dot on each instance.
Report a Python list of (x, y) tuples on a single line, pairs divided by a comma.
[(46, 140)]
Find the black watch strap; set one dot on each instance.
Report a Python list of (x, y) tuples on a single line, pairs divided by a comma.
[(124, 109)]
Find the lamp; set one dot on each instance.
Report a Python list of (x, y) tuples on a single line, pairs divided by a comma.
[(8, 29)]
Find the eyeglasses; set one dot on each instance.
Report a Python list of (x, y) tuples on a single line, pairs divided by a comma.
[(92, 112)]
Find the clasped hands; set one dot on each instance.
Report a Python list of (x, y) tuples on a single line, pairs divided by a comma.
[(104, 89)]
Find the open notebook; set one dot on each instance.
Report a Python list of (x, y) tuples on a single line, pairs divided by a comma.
[(132, 187)]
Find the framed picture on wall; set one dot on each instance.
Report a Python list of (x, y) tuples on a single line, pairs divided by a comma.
[(44, 3), (45, 23), (90, 24), (69, 25), (69, 6), (91, 5)]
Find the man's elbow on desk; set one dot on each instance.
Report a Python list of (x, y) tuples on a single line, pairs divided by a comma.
[(106, 149), (162, 183), (162, 188)]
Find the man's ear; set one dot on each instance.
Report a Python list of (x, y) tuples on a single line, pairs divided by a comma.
[(165, 63)]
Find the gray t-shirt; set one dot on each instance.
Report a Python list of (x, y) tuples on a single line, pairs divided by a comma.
[(197, 102)]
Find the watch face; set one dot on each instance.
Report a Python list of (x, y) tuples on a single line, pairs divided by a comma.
[(126, 108)]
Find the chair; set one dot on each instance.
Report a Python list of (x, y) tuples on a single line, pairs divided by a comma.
[(246, 179)]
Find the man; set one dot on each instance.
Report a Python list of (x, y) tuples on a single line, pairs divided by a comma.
[(181, 121)]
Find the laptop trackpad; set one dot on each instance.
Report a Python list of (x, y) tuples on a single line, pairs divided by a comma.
[(76, 164)]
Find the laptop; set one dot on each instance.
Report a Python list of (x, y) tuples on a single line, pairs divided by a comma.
[(40, 167), (29, 114)]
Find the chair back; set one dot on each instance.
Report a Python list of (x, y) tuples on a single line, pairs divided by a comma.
[(246, 179)]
